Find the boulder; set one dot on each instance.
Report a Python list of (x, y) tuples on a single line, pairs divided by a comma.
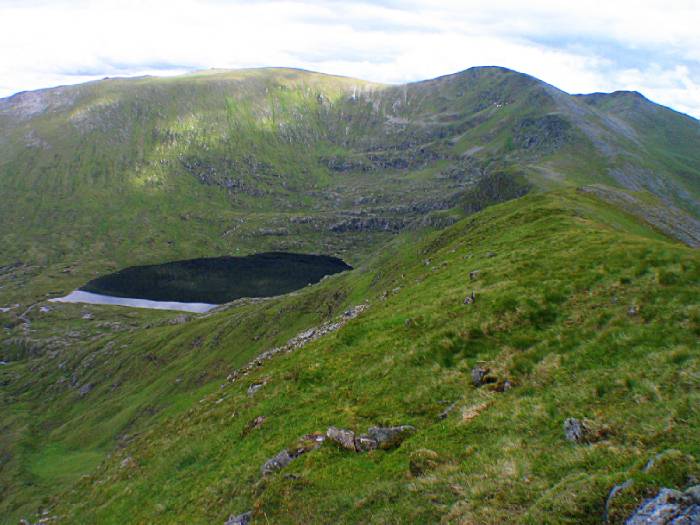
[(376, 437), (575, 430), (389, 437), (252, 389), (585, 430), (280, 461), (85, 389), (669, 507), (305, 444)]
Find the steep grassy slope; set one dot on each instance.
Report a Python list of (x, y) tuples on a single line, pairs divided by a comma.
[(584, 310), (121, 172)]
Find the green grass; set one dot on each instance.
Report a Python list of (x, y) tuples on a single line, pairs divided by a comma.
[(129, 172), (551, 316)]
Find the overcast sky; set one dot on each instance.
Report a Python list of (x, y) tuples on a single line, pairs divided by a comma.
[(645, 45)]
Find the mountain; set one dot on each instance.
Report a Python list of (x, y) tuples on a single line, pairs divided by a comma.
[(121, 171), (520, 303)]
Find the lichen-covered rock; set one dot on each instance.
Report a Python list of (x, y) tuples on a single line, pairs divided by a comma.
[(585, 430), (376, 437), (575, 430), (344, 438), (669, 507), (280, 461), (305, 444), (389, 437)]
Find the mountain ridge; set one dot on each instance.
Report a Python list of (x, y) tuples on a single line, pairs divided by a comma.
[(271, 143), (517, 273)]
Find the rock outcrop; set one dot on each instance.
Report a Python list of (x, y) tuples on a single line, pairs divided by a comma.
[(669, 507), (299, 341), (305, 444), (382, 438)]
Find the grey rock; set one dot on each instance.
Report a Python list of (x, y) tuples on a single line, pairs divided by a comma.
[(575, 430), (389, 437), (280, 461), (241, 519), (668, 507), (473, 275), (632, 311), (470, 299), (252, 389), (345, 438), (88, 316), (85, 389)]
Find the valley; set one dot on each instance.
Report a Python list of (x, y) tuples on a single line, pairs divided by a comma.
[(496, 261)]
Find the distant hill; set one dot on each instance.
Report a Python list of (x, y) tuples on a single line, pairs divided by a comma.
[(126, 171)]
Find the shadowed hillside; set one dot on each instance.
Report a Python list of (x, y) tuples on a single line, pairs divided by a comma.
[(118, 172)]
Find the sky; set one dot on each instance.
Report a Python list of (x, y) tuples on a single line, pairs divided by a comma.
[(645, 45)]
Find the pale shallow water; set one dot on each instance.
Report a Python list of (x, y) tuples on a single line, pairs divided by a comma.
[(79, 296)]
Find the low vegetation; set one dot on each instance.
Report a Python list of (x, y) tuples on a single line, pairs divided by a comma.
[(569, 308)]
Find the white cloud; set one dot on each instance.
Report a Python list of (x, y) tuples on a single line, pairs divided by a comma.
[(650, 46)]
